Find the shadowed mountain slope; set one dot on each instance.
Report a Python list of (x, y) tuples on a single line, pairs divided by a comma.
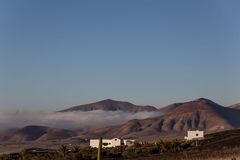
[(38, 133), (111, 105)]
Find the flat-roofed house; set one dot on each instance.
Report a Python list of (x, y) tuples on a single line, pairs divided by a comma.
[(107, 143), (194, 135)]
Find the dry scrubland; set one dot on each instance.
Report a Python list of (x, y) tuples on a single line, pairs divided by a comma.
[(12, 147), (222, 145), (223, 154), (161, 150)]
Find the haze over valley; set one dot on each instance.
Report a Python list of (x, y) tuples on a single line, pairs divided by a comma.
[(110, 118)]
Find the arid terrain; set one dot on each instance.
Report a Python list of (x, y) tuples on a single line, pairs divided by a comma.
[(174, 121), (223, 145), (201, 114)]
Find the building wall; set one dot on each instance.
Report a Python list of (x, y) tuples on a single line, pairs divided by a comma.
[(110, 142), (94, 143), (106, 143), (194, 135), (116, 142)]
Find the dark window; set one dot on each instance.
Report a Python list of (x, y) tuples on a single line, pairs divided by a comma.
[(105, 144)]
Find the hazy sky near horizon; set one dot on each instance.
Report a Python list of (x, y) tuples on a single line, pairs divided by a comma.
[(59, 53)]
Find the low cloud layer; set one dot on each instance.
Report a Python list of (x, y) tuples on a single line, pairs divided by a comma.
[(71, 120)]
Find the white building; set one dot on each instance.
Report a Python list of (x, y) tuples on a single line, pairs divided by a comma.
[(106, 143), (128, 142), (194, 135)]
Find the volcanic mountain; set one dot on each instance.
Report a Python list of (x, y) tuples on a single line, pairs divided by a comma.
[(201, 114), (111, 105), (170, 107), (38, 133)]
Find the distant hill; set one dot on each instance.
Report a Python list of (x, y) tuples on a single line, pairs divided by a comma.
[(201, 114), (111, 105), (235, 106), (38, 133)]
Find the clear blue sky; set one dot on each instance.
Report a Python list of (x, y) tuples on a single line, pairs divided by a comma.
[(59, 53)]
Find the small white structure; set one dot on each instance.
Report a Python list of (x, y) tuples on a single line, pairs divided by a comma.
[(128, 142), (194, 135), (106, 143)]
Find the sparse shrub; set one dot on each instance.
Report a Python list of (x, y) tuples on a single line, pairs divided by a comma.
[(171, 149)]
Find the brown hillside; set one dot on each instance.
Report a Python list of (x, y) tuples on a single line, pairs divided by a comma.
[(201, 114), (38, 133)]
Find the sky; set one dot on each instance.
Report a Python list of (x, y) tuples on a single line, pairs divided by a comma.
[(59, 53)]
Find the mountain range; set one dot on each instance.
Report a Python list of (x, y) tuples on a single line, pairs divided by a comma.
[(201, 114), (111, 105), (177, 118)]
